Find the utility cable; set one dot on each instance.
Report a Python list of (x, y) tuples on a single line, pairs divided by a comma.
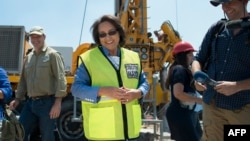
[(176, 12), (83, 19)]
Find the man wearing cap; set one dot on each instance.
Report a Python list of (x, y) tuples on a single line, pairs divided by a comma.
[(227, 103), (43, 82)]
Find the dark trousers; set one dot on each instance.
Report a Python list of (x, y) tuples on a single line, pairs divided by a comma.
[(36, 113)]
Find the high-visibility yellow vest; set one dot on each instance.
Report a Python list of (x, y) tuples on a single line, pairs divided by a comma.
[(109, 119)]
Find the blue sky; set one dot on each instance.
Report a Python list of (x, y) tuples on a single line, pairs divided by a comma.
[(62, 19)]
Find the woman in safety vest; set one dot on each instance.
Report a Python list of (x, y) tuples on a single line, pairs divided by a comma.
[(110, 82)]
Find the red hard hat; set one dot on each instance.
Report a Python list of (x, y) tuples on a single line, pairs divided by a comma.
[(182, 47)]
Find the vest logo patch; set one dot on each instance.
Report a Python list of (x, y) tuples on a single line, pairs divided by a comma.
[(132, 70)]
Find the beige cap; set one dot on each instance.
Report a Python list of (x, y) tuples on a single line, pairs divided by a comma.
[(37, 30)]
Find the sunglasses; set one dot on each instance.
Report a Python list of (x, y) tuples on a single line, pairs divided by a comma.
[(110, 33)]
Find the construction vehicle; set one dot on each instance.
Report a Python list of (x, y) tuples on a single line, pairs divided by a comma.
[(155, 57)]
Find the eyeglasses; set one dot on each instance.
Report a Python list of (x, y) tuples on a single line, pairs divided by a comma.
[(110, 33)]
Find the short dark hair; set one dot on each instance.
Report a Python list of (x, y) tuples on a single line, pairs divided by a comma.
[(115, 21)]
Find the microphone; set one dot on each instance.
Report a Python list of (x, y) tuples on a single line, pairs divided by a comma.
[(241, 23), (203, 78)]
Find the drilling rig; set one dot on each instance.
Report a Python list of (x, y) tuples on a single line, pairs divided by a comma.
[(155, 57)]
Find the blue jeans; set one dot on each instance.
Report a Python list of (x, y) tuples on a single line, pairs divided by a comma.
[(36, 113)]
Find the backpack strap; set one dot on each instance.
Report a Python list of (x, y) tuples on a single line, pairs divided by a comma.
[(215, 31), (219, 26)]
